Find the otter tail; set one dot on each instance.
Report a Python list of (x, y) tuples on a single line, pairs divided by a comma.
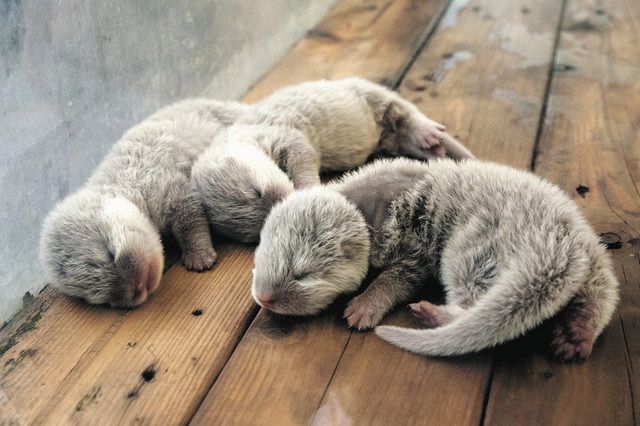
[(454, 148), (516, 303)]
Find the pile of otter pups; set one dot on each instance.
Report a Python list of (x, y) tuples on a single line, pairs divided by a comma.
[(509, 249)]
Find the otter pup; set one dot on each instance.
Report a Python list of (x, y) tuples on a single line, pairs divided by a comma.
[(102, 243), (303, 130), (510, 249)]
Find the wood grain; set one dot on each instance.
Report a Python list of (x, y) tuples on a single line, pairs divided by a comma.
[(43, 346), (374, 39), (371, 41), (500, 108), (591, 138), (376, 383), (277, 374), (180, 339), (369, 365), (162, 360), (84, 364), (484, 75)]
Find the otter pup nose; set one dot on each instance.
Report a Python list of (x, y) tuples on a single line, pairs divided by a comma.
[(266, 300)]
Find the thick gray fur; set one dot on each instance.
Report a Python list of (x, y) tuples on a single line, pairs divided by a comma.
[(301, 130), (102, 243), (510, 249)]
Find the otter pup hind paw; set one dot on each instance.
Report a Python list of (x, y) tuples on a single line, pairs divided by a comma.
[(572, 339), (425, 138)]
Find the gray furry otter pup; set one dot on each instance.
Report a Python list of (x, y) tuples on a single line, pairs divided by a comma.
[(510, 249), (287, 139), (102, 243)]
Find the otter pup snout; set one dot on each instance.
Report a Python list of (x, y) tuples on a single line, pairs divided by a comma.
[(142, 277)]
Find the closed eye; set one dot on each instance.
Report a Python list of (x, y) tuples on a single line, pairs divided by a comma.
[(300, 276)]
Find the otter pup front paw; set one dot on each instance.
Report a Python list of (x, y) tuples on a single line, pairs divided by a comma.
[(362, 314), (201, 260)]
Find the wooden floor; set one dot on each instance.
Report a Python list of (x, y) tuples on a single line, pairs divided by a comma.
[(548, 85)]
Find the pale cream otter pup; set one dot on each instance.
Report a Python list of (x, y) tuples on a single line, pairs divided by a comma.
[(302, 130), (510, 249), (102, 243)]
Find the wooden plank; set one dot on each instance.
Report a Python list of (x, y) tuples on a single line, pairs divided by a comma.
[(376, 383), (277, 374), (162, 360), (484, 74), (182, 338), (39, 349), (475, 77), (89, 361), (374, 39), (254, 388), (591, 138), (369, 42)]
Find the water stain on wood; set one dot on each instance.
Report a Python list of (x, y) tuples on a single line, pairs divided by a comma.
[(415, 86), (89, 398), (546, 375), (563, 68), (611, 240), (323, 35), (582, 190), (25, 326), (582, 25), (12, 363), (149, 373)]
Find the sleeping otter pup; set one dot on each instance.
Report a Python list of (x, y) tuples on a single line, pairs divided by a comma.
[(102, 243), (299, 131), (510, 249)]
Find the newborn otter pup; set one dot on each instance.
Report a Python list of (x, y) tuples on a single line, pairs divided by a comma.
[(102, 243), (303, 130), (510, 249)]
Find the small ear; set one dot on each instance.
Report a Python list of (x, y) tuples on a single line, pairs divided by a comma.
[(394, 118), (350, 249)]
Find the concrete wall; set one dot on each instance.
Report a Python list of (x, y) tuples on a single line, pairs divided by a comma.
[(74, 74)]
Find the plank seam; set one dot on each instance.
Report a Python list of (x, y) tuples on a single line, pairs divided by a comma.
[(547, 90), (487, 390), (430, 29), (532, 165), (333, 373), (251, 316), (629, 362)]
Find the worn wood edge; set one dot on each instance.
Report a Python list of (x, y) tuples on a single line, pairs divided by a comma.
[(614, 345)]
